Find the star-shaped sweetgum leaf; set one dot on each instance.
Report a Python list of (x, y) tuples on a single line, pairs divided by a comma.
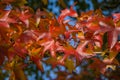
[(5, 20)]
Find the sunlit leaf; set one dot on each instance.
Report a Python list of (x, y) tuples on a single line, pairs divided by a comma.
[(4, 18), (20, 50), (81, 35), (67, 12), (24, 17), (49, 45), (108, 59), (93, 26), (85, 15), (81, 50), (35, 51), (113, 67), (114, 35)]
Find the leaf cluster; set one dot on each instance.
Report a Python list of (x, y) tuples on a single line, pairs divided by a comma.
[(44, 38)]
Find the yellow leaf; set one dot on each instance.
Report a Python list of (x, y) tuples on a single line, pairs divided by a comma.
[(35, 51), (97, 50), (110, 57), (81, 35), (113, 54), (99, 12), (104, 52), (19, 2), (116, 62), (89, 51), (51, 60), (117, 23), (45, 2), (70, 65), (59, 57), (19, 73), (113, 67)]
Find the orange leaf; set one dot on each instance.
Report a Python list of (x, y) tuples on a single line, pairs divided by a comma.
[(19, 73), (67, 12)]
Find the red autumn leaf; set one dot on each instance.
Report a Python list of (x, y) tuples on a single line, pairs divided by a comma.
[(113, 32), (20, 49), (43, 33), (98, 40), (55, 31), (112, 38), (35, 56), (39, 65), (117, 46), (5, 20), (53, 47), (93, 26), (24, 17), (27, 37), (80, 49), (101, 67), (69, 32), (93, 41), (36, 59), (116, 17), (92, 23), (49, 45), (38, 15), (67, 12), (86, 15), (30, 36), (68, 51)]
